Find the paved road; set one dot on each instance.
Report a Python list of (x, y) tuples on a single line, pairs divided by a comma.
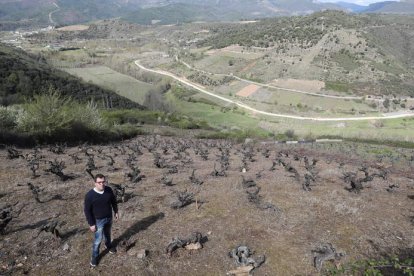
[(201, 89)]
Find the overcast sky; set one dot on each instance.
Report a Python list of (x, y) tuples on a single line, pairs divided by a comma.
[(359, 2)]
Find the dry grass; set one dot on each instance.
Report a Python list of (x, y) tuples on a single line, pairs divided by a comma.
[(73, 28), (363, 225), (303, 85)]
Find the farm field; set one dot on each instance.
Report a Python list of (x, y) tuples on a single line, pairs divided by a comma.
[(225, 117), (124, 85), (291, 201), (376, 130)]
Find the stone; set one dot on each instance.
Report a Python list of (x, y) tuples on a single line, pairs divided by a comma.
[(66, 247), (241, 271), (193, 246), (142, 254)]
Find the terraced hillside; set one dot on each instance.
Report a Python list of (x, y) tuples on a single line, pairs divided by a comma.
[(362, 54)]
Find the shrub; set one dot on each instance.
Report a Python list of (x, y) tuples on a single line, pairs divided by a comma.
[(50, 113), (47, 113), (8, 117), (88, 115), (290, 133)]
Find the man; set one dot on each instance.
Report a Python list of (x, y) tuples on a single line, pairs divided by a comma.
[(99, 203)]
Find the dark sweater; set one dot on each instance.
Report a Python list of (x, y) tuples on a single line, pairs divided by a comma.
[(98, 206)]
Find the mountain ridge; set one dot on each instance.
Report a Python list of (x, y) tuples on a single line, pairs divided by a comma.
[(18, 13)]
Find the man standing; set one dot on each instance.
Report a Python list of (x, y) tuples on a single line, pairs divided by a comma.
[(99, 203)]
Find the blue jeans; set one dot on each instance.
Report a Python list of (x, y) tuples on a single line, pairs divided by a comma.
[(103, 230)]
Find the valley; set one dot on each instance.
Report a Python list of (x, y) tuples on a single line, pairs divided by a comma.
[(341, 77), (290, 138)]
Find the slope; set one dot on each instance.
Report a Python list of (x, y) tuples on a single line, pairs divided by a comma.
[(24, 75)]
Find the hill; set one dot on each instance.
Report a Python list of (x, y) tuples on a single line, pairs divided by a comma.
[(23, 13), (401, 7), (359, 51), (352, 7), (17, 13), (24, 75)]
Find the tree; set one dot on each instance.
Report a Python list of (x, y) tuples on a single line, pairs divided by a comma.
[(386, 103)]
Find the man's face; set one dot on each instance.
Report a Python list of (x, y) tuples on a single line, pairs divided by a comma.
[(100, 184)]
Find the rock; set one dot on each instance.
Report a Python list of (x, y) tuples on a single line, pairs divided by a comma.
[(19, 265), (66, 247), (241, 271), (132, 252), (142, 254), (193, 246)]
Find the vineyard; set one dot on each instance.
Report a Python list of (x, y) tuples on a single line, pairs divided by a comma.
[(207, 207)]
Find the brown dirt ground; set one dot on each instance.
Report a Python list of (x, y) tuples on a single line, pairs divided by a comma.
[(248, 90), (365, 225)]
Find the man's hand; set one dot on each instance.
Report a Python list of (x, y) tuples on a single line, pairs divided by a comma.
[(116, 216), (92, 228)]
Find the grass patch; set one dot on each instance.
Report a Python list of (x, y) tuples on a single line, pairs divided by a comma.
[(131, 116), (337, 86), (235, 135), (391, 143), (346, 60), (387, 67), (123, 85)]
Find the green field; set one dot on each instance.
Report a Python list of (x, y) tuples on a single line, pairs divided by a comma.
[(217, 116), (220, 64), (123, 85), (391, 130), (286, 101), (224, 116)]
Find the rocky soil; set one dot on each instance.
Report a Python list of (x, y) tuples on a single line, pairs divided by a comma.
[(299, 209)]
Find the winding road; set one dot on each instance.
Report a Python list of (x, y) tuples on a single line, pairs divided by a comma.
[(244, 106), (52, 12), (274, 87)]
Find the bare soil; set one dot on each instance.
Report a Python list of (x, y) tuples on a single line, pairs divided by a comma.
[(369, 223), (248, 90)]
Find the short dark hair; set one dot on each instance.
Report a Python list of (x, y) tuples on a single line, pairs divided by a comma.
[(99, 175)]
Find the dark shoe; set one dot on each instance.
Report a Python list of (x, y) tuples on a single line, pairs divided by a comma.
[(94, 262), (112, 250)]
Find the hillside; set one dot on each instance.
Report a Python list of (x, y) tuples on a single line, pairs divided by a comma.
[(46, 12), (23, 13), (360, 51), (401, 7), (351, 7), (24, 75), (284, 202), (326, 65), (173, 14)]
